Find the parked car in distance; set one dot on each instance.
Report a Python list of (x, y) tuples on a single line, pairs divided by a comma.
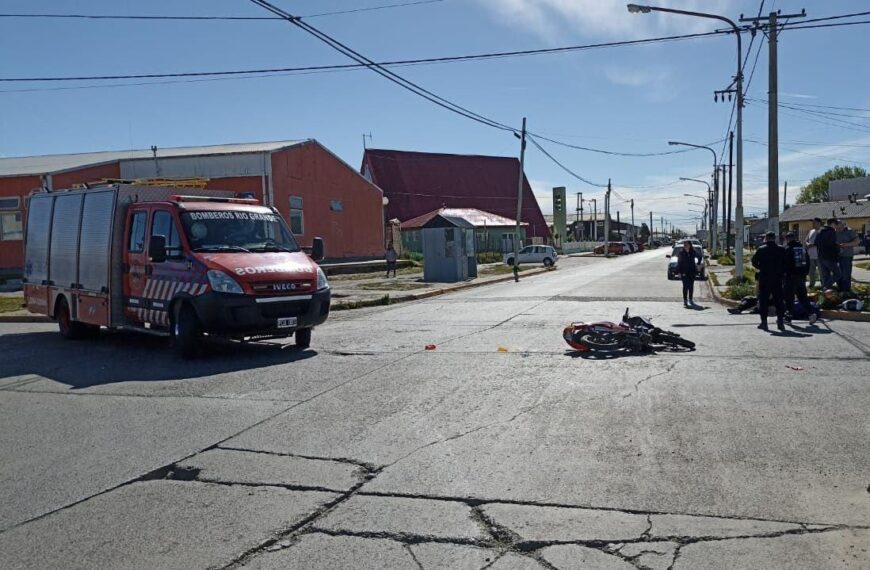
[(701, 271), (614, 248), (545, 254), (631, 247)]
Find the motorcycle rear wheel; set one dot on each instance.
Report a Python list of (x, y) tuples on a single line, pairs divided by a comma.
[(601, 342)]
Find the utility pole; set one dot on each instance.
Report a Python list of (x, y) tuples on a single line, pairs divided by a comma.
[(595, 219), (785, 196), (633, 237), (730, 181), (579, 213), (773, 114), (650, 227), (607, 220), (723, 245), (519, 203)]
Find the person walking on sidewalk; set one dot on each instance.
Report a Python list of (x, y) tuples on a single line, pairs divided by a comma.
[(795, 282), (687, 268), (392, 259), (769, 260), (829, 254), (847, 239), (813, 251)]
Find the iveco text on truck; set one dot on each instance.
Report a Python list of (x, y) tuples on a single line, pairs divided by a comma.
[(151, 259)]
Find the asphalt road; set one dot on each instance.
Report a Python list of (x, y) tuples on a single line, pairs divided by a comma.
[(498, 448)]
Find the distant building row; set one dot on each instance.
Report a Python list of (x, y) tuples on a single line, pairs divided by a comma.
[(317, 193)]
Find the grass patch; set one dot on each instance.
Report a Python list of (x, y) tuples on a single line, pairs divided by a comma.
[(725, 259), (863, 265), (413, 256), (749, 275), (348, 305), (504, 270), (375, 274), (10, 304), (391, 286)]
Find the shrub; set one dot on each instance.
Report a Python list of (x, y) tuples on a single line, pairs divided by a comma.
[(413, 256), (739, 290), (739, 281), (489, 257), (726, 259)]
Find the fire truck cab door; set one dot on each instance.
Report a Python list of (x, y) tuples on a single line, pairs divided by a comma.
[(136, 264)]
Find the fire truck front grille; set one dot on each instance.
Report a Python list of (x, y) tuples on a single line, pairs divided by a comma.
[(281, 310)]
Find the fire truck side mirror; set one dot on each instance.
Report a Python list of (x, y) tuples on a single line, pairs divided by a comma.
[(317, 250), (157, 249)]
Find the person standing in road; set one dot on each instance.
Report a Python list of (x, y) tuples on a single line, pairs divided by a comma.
[(813, 251), (392, 259), (847, 240), (795, 285), (687, 260), (769, 260), (829, 254)]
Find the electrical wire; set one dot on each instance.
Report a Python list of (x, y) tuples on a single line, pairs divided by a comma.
[(352, 66), (562, 166), (382, 71), (214, 18)]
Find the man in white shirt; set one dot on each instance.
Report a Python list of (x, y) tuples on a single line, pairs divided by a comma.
[(813, 251)]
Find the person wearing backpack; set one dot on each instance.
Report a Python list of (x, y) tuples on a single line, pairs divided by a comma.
[(794, 284)]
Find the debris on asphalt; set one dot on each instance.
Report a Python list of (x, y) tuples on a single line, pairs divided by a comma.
[(794, 367), (430, 347)]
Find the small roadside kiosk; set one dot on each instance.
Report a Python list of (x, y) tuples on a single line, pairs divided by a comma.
[(448, 250)]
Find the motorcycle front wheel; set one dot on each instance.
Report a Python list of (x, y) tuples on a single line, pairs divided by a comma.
[(674, 339)]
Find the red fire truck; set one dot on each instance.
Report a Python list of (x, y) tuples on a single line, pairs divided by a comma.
[(184, 263)]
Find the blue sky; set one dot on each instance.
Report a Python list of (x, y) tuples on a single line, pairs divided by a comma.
[(628, 99)]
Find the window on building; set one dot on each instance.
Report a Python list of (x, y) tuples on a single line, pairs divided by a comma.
[(336, 205), (11, 228), (297, 225), (136, 242), (10, 203), (162, 225)]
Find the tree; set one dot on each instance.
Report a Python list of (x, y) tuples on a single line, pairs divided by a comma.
[(644, 232), (817, 189)]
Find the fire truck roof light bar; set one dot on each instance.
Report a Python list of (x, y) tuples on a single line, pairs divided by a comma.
[(179, 199)]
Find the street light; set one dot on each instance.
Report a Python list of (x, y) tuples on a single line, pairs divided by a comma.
[(715, 197), (738, 210)]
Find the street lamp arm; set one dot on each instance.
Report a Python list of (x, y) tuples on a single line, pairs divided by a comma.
[(635, 8)]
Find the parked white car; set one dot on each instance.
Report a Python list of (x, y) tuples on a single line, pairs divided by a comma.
[(545, 254)]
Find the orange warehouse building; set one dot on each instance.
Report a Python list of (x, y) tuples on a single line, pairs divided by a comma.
[(316, 192)]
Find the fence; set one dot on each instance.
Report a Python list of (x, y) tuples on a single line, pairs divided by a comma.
[(579, 246)]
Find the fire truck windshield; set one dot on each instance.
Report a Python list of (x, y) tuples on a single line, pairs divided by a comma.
[(237, 231)]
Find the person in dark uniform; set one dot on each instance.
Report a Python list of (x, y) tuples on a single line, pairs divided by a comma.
[(687, 268), (797, 265), (769, 260)]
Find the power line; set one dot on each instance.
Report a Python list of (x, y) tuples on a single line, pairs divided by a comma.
[(382, 71), (827, 107), (562, 166), (795, 107), (213, 18), (351, 66)]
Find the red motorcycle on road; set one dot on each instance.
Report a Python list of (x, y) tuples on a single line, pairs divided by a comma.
[(632, 334)]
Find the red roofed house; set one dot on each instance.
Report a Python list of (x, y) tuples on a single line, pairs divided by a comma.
[(418, 183), (492, 233)]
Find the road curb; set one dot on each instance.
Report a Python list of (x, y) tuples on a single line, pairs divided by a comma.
[(714, 290), (24, 319), (437, 292)]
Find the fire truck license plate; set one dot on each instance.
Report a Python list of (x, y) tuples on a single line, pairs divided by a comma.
[(287, 323)]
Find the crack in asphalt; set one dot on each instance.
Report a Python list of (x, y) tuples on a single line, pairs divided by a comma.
[(413, 556), (637, 384)]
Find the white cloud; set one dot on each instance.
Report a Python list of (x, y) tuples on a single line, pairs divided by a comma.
[(798, 95), (557, 20), (656, 84)]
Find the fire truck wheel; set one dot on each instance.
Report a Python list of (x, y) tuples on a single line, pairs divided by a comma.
[(303, 338), (186, 332), (69, 329)]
